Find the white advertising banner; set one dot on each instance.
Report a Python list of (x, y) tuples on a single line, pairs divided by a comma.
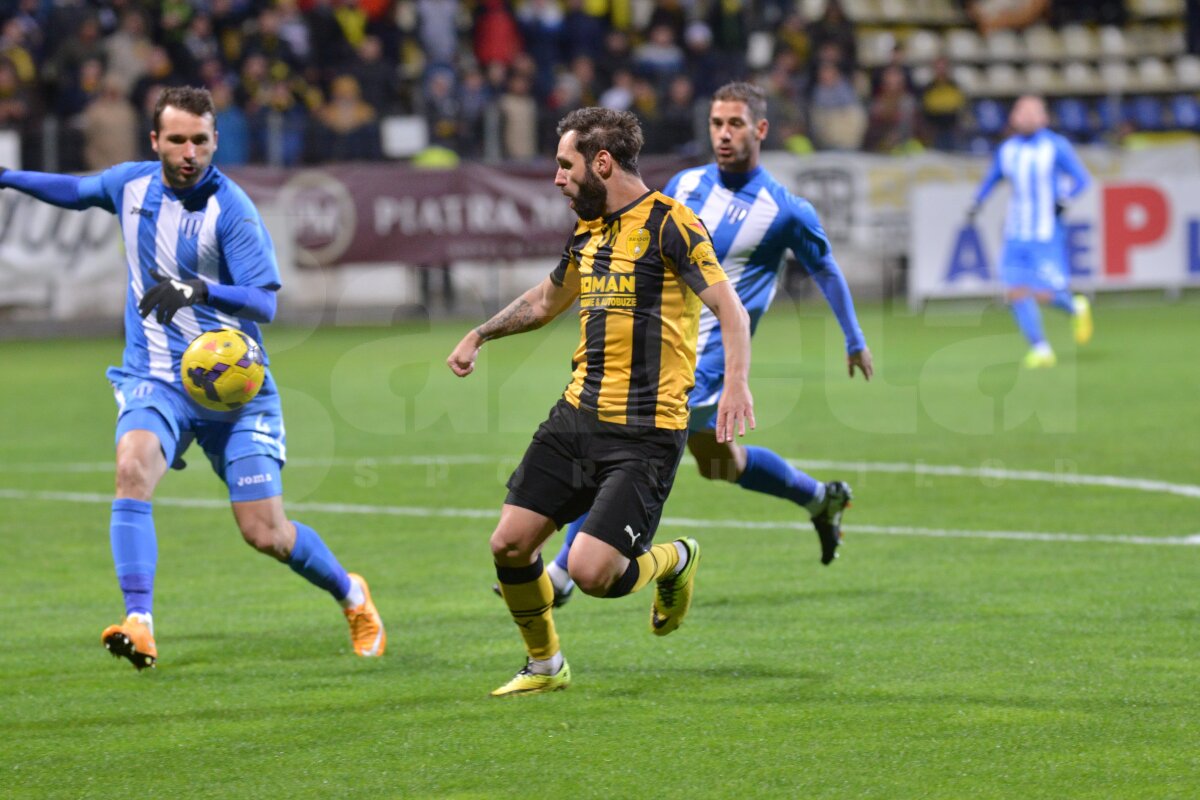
[(1122, 233), (57, 263)]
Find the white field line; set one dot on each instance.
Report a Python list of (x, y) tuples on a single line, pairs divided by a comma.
[(669, 522), (938, 470)]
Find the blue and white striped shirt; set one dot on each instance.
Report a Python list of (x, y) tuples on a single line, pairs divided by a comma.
[(1043, 170), (753, 221), (212, 231)]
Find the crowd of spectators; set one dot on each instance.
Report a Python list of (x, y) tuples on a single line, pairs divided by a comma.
[(308, 81)]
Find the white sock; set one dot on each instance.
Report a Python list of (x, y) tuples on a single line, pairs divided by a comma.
[(559, 577), (815, 505), (354, 597), (683, 556), (546, 666), (1043, 348), (144, 618)]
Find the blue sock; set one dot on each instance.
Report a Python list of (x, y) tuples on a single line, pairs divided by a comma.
[(1029, 319), (767, 472), (313, 559), (1064, 301), (135, 552), (572, 530)]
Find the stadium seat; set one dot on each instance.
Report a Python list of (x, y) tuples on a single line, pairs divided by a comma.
[(922, 74), (990, 116), (1185, 112), (759, 46), (1113, 43), (1043, 43), (963, 44), (1110, 113), (875, 47), (1043, 79), (967, 77), (1074, 118), (1004, 45), (1003, 79), (1081, 78), (894, 11), (814, 9), (922, 46), (1187, 72), (1116, 76), (1153, 75), (1146, 112), (1080, 43)]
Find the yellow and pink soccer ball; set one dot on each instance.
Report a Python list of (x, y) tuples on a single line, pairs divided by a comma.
[(222, 369)]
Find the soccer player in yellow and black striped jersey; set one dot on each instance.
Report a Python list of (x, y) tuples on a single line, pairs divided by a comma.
[(640, 264)]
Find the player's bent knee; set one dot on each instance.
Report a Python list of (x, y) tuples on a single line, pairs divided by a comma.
[(507, 548), (135, 478), (268, 539), (594, 579)]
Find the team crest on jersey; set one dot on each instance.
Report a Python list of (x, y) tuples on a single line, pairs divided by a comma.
[(190, 225), (637, 242)]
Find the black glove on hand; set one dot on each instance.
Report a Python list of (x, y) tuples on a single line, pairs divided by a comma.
[(1059, 208), (169, 295), (971, 212)]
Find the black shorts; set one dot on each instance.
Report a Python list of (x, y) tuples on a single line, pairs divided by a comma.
[(619, 475)]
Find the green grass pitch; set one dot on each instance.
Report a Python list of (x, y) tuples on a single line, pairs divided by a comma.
[(1014, 615)]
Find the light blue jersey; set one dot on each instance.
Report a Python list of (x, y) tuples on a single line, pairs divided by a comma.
[(1043, 171), (212, 232), (753, 221)]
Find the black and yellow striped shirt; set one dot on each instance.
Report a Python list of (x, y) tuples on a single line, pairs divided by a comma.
[(639, 272)]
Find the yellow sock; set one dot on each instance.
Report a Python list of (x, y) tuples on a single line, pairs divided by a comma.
[(658, 561), (530, 604)]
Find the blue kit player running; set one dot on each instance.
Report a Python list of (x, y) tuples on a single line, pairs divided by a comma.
[(199, 257), (753, 221), (1044, 174)]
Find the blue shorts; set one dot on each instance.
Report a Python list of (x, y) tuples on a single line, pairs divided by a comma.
[(253, 435), (1040, 266), (703, 400)]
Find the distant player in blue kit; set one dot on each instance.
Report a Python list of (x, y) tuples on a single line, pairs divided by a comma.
[(1045, 174), (199, 258), (753, 221)]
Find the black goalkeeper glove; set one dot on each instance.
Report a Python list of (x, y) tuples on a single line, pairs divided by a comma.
[(1059, 209), (169, 295)]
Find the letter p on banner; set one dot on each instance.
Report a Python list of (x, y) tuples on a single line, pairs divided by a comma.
[(1134, 214)]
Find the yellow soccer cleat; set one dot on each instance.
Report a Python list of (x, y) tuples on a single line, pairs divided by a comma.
[(132, 639), (366, 627), (526, 682), (1081, 322), (1039, 359), (673, 594)]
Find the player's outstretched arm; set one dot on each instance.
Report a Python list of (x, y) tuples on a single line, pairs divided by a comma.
[(528, 312), (64, 191), (736, 408)]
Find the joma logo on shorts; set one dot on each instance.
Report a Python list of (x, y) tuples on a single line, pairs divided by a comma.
[(250, 480)]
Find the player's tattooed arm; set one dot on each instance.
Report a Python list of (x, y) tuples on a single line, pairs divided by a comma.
[(528, 312), (519, 317)]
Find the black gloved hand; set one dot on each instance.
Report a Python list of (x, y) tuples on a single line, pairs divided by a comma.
[(971, 213), (169, 295), (1059, 208)]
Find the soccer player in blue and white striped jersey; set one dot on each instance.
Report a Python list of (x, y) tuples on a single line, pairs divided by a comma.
[(1045, 174), (754, 221), (198, 258)]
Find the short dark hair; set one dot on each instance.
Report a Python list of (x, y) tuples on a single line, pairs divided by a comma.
[(191, 99), (618, 132), (739, 92)]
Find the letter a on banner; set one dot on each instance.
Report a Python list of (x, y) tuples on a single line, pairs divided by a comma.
[(968, 257)]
